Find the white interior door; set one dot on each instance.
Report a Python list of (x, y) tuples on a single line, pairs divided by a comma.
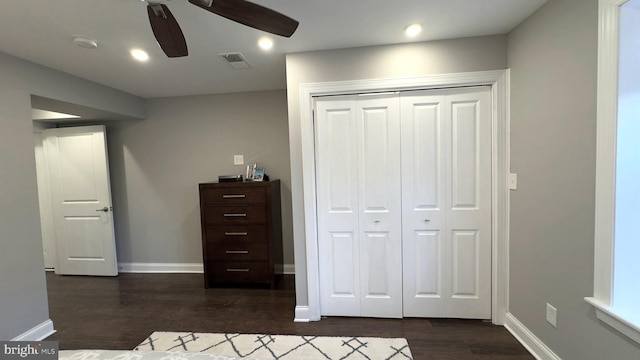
[(446, 181), (359, 206), (80, 187)]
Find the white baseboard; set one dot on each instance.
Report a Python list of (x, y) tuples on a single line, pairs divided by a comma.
[(302, 314), (171, 268), (531, 342), (37, 333), (289, 269)]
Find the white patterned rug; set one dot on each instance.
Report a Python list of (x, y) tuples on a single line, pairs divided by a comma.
[(279, 347)]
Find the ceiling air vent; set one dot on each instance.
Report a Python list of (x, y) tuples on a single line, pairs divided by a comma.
[(236, 60)]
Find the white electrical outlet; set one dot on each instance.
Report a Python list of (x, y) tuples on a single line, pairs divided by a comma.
[(552, 315), (238, 159)]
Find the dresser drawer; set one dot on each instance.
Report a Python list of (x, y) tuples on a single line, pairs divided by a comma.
[(234, 195), (235, 234), (240, 251), (235, 215), (239, 272)]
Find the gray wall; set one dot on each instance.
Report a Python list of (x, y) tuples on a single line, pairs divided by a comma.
[(156, 166), (553, 58), (23, 296), (417, 59)]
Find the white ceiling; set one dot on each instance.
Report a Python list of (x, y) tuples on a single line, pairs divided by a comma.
[(41, 31)]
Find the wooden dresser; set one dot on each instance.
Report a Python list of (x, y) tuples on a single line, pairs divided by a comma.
[(241, 232)]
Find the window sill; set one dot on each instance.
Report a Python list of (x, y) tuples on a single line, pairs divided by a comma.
[(609, 316)]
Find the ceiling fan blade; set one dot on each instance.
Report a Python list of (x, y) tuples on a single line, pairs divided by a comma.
[(250, 14), (167, 31)]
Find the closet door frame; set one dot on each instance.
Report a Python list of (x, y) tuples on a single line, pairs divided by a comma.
[(499, 80)]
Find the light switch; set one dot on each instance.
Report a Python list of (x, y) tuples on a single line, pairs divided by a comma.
[(513, 181), (238, 159)]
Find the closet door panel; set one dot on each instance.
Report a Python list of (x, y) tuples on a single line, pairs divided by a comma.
[(423, 287), (425, 272), (465, 155), (343, 253), (427, 256), (340, 161), (469, 205), (425, 136), (466, 267), (338, 209), (375, 160), (380, 203), (376, 265), (451, 129)]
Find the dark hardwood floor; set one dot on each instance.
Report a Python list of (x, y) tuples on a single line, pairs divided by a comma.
[(120, 312)]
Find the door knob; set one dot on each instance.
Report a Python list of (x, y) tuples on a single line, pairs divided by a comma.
[(427, 220), (377, 222), (104, 209)]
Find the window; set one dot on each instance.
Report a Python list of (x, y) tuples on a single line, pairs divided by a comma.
[(617, 236)]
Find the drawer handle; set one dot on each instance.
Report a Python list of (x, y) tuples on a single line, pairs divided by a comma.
[(235, 215), (234, 196), (237, 270), (237, 251), (236, 234)]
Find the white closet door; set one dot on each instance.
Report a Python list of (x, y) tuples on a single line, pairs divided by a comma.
[(446, 157), (337, 201), (380, 206), (359, 206), (424, 204)]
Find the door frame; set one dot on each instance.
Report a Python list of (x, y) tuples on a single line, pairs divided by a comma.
[(499, 80), (45, 201)]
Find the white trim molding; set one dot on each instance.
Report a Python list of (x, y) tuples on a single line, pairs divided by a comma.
[(37, 333), (606, 130), (606, 127), (302, 314), (168, 268), (499, 81), (611, 317), (531, 342), (289, 269)]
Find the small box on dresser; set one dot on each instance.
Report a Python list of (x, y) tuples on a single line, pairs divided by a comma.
[(241, 232)]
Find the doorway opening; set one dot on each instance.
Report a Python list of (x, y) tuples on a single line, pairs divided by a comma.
[(73, 184)]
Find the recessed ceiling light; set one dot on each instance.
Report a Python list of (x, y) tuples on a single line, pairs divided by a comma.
[(265, 43), (139, 55), (413, 30)]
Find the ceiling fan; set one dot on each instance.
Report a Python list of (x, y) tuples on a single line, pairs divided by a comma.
[(171, 39)]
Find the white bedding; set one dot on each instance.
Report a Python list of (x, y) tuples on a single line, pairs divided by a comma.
[(139, 355)]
